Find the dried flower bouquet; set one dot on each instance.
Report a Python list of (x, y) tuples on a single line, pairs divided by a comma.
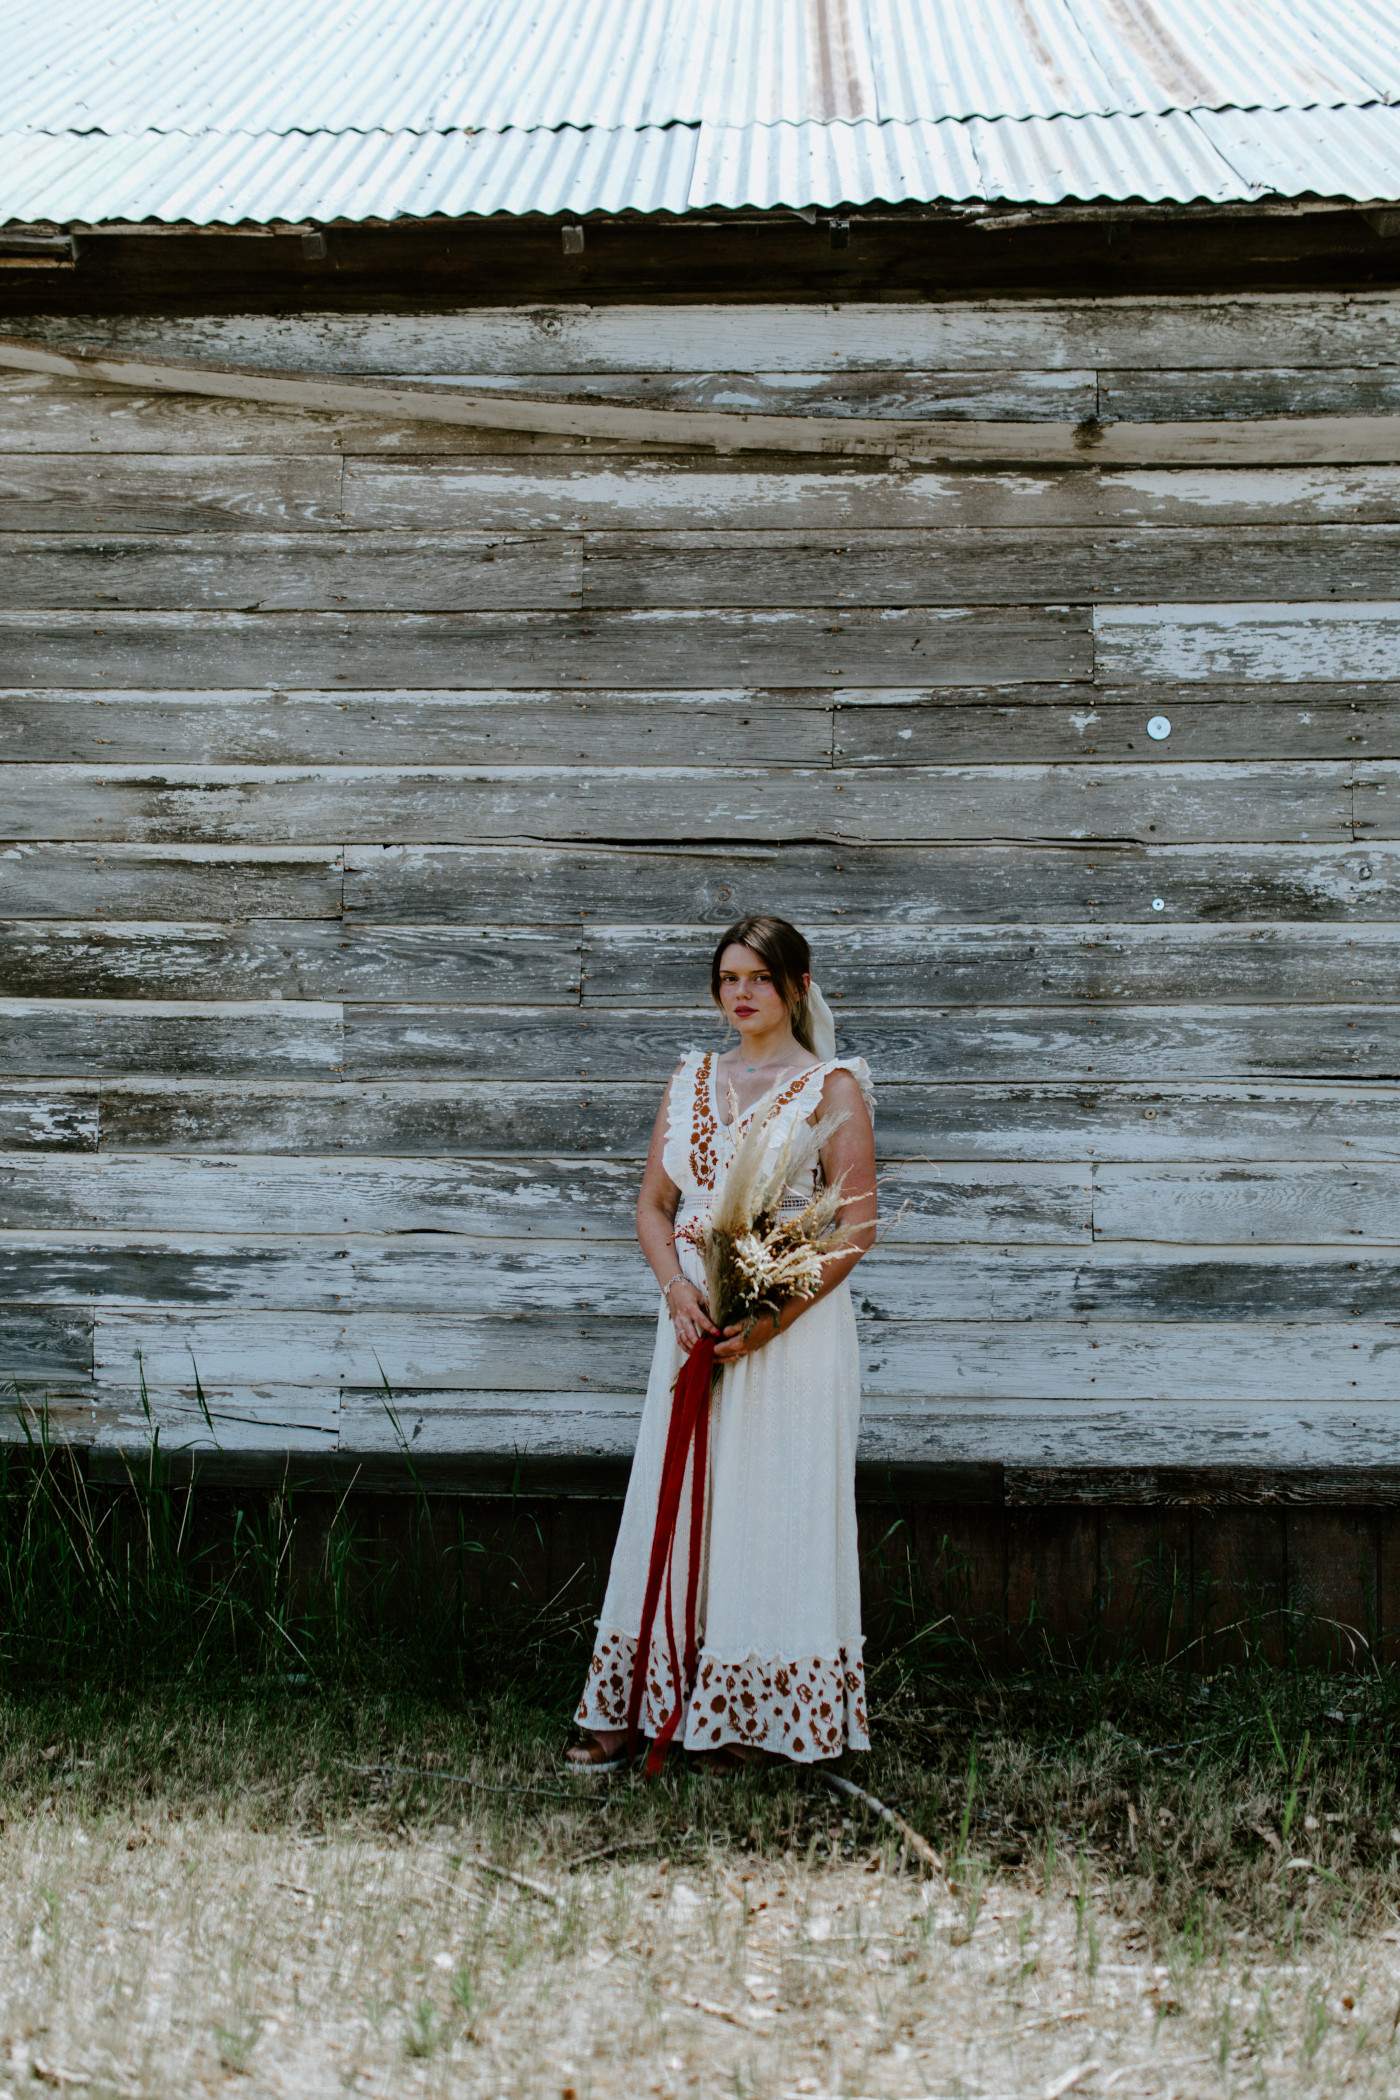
[(756, 1255)]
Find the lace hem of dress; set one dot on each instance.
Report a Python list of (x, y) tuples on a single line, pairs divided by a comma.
[(806, 1708)]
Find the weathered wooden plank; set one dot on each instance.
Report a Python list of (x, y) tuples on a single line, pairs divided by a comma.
[(115, 880), (505, 727), (1142, 1437), (1219, 1490), (304, 1350), (284, 959), (922, 1362), (1288, 643), (1142, 1045), (529, 1279), (145, 492), (1231, 1444), (762, 493), (964, 566), (1235, 722), (1170, 1121), (987, 883), (1326, 389), (907, 966), (607, 1117), (41, 412), (1007, 396), (247, 1417), (520, 1198), (940, 645), (878, 966), (1119, 805), (48, 1118), (91, 1037), (1052, 724), (43, 1342), (1121, 1283), (583, 1423), (1376, 803), (919, 1362), (1252, 1202), (286, 572), (459, 571), (1138, 333)]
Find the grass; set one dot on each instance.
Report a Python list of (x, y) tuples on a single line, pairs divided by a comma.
[(186, 1647), (225, 1723)]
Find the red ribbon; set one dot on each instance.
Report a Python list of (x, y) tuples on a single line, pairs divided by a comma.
[(688, 1434)]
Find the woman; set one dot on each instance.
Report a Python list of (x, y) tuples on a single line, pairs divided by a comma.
[(779, 1663)]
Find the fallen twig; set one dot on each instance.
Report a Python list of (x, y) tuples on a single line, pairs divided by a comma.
[(918, 1845), (483, 1786), (522, 1881), (586, 1859), (1066, 2079), (716, 2012)]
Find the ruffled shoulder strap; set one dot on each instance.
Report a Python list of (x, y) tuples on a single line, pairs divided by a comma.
[(860, 1072)]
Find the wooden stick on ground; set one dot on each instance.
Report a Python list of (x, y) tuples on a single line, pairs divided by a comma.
[(919, 1846)]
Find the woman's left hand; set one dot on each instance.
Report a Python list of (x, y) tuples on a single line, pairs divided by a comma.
[(744, 1337)]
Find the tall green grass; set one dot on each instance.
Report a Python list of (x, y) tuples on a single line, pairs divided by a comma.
[(157, 1574)]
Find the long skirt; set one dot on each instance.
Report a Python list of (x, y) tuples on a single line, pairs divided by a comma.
[(780, 1665)]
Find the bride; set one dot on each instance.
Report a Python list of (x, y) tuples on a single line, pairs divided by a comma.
[(779, 1665)]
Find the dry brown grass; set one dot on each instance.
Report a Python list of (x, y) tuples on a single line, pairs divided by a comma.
[(1165, 1885), (202, 1954)]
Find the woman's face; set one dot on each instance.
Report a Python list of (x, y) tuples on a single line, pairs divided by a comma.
[(747, 992)]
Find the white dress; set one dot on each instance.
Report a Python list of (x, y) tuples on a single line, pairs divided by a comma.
[(780, 1664)]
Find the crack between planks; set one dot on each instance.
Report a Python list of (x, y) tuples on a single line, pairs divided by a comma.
[(745, 843)]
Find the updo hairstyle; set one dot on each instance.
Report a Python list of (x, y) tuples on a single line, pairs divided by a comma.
[(785, 955)]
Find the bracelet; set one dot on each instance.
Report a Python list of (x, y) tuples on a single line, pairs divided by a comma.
[(667, 1288)]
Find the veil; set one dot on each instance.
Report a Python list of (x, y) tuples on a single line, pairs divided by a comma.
[(823, 1024)]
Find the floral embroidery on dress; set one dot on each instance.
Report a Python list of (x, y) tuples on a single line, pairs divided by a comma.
[(703, 1125), (789, 1093), (807, 1708), (608, 1685)]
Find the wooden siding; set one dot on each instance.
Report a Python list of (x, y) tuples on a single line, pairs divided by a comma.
[(375, 789)]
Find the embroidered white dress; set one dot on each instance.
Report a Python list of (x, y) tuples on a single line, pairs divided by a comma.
[(780, 1665)]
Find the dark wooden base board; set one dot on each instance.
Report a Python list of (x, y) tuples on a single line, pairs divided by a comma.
[(1198, 1585)]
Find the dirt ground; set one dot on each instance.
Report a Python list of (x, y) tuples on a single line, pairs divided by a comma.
[(184, 1956)]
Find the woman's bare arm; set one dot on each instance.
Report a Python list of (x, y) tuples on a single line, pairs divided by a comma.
[(848, 1152), (656, 1235)]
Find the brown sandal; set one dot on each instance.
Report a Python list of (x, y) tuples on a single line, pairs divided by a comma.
[(590, 1756)]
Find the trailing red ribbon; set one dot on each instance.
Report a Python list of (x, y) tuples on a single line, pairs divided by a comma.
[(687, 1436)]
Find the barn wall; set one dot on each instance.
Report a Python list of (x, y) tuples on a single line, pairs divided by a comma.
[(375, 789)]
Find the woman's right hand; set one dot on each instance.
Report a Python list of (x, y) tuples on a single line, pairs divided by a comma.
[(690, 1315)]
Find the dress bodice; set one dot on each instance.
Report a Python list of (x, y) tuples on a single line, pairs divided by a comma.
[(699, 1145)]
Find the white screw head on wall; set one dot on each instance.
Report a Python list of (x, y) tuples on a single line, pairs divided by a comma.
[(1159, 903), (1158, 728)]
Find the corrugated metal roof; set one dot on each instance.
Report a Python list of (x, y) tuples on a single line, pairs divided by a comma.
[(221, 111)]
